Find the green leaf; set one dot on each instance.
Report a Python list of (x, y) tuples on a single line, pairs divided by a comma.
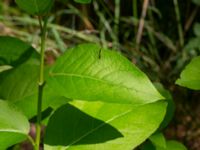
[(35, 7), (197, 29), (19, 86), (147, 146), (170, 106), (89, 72), (14, 126), (193, 44), (190, 76), (158, 140), (87, 124), (134, 124), (196, 2), (173, 145), (83, 1), (14, 52)]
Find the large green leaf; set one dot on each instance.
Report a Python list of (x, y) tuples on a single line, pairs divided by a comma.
[(60, 121), (190, 77), (14, 126), (38, 7), (133, 123), (14, 51), (88, 72)]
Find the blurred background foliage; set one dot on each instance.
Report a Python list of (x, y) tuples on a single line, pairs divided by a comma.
[(159, 36)]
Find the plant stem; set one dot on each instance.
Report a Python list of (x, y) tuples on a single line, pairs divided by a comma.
[(135, 13), (41, 82), (31, 140), (191, 19), (179, 26), (141, 24), (116, 26)]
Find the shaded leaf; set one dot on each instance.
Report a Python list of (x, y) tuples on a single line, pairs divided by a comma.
[(129, 120), (158, 140), (170, 145), (14, 126), (173, 145), (19, 86), (193, 44), (190, 76), (170, 106), (196, 2), (79, 125), (90, 73), (38, 7), (197, 29), (148, 146), (14, 51)]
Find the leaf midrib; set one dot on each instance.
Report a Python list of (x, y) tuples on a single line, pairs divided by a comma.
[(13, 131), (52, 74), (101, 125)]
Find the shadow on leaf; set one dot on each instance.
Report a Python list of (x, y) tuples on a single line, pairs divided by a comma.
[(70, 126)]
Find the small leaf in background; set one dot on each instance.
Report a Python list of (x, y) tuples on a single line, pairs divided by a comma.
[(147, 146), (173, 145), (170, 145), (35, 7), (14, 126), (131, 126), (14, 52), (158, 140), (196, 2), (82, 74), (197, 29), (170, 106), (83, 1), (193, 46), (190, 76)]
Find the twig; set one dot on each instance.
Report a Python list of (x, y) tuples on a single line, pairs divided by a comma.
[(191, 19), (179, 26), (141, 24), (135, 13), (116, 26)]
